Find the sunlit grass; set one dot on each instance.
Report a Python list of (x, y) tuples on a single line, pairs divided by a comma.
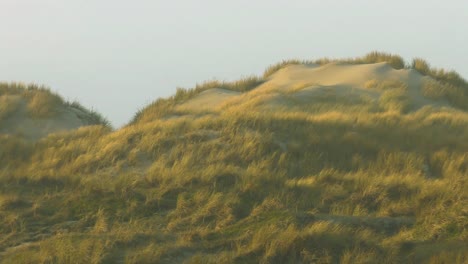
[(9, 104), (373, 182), (40, 103)]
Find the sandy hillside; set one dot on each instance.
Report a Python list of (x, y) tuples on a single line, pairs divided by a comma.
[(310, 83), (32, 128), (295, 87), (208, 99)]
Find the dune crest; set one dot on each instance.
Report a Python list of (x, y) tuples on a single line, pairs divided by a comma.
[(32, 112), (20, 123), (297, 85)]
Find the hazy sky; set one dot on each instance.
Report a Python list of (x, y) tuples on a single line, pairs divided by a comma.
[(118, 56)]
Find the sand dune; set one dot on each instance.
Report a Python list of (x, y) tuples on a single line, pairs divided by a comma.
[(21, 124), (339, 78), (301, 84), (290, 87), (208, 100)]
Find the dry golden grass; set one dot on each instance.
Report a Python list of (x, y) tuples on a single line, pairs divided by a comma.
[(9, 104), (454, 95), (40, 102), (339, 185), (43, 104)]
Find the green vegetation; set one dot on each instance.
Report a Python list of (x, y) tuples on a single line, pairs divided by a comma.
[(339, 185)]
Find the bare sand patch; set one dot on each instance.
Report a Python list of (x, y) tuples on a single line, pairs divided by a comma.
[(208, 100), (302, 84)]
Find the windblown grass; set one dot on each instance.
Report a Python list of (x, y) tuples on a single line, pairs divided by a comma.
[(93, 117), (9, 104), (162, 107), (244, 186), (451, 86), (40, 103), (444, 91), (276, 67), (225, 184)]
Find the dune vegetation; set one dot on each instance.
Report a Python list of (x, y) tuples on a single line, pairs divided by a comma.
[(281, 173), (40, 102)]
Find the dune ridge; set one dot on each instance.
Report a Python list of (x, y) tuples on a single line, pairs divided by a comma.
[(309, 84)]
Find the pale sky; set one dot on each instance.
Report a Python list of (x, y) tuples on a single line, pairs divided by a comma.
[(117, 56)]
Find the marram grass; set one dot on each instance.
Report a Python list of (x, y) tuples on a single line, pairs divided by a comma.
[(339, 185)]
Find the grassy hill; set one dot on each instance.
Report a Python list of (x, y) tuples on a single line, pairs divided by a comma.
[(359, 160)]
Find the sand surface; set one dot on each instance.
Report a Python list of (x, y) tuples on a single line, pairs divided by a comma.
[(209, 99), (20, 123), (302, 84), (341, 80)]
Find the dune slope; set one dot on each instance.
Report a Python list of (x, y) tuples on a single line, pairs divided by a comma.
[(33, 112), (309, 87), (355, 161)]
